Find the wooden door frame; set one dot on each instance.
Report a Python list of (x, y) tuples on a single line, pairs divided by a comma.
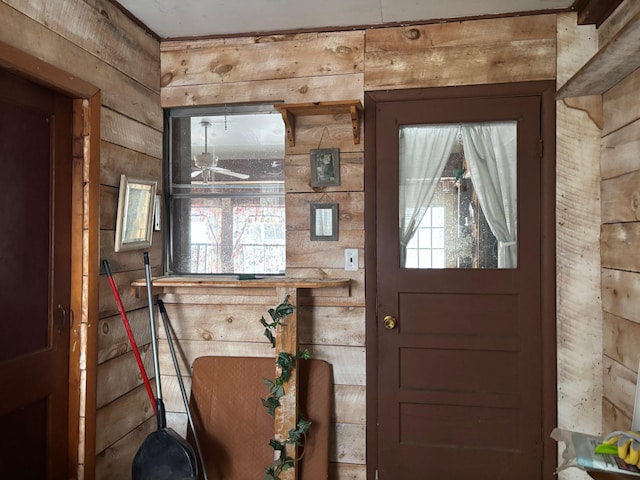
[(85, 234), (546, 90)]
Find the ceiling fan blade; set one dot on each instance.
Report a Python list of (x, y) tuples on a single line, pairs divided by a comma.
[(224, 171)]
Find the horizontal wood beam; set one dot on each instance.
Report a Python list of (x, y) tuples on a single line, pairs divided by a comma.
[(594, 11), (44, 73)]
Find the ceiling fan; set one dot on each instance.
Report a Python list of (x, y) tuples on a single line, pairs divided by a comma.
[(207, 163)]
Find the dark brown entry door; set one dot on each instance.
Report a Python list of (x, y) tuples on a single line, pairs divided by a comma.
[(35, 192), (459, 385)]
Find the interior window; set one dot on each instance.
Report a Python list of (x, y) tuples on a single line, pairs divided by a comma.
[(226, 190)]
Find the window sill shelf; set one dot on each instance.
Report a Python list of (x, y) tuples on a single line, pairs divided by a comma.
[(189, 284)]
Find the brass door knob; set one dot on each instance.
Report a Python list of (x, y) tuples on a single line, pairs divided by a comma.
[(389, 322)]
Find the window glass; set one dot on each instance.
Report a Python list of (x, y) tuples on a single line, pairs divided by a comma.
[(226, 191), (458, 195)]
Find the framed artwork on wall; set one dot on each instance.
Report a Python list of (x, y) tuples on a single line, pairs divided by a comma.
[(325, 167), (323, 222), (134, 221)]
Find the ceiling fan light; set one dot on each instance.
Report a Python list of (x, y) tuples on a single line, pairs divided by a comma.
[(204, 160)]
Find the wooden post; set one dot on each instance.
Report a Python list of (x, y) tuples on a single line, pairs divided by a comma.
[(286, 416)]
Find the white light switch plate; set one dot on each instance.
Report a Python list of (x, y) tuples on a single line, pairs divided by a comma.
[(351, 259)]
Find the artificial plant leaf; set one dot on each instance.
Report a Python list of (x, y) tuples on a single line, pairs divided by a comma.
[(276, 445), (288, 463), (303, 425), (286, 363), (271, 403), (275, 388), (278, 391), (284, 310), (295, 437), (304, 355), (269, 335)]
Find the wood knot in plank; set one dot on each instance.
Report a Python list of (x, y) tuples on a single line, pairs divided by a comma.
[(206, 336), (166, 79), (221, 69), (104, 14), (303, 89), (413, 34), (343, 50)]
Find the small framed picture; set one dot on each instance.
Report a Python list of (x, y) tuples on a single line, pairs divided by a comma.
[(134, 221), (325, 167), (323, 222)]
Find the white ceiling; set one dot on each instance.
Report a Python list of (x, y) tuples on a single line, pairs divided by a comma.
[(197, 18)]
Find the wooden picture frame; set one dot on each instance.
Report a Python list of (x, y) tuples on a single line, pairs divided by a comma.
[(323, 221), (325, 167), (134, 221)]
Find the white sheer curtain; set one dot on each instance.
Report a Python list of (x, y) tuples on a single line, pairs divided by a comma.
[(424, 152), (491, 153)]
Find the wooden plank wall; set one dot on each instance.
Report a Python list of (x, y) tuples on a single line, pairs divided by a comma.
[(344, 65), (620, 190), (277, 69), (94, 41), (579, 309)]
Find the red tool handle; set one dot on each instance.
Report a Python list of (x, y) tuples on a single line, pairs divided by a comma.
[(127, 327)]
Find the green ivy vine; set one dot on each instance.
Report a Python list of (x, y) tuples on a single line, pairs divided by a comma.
[(286, 362)]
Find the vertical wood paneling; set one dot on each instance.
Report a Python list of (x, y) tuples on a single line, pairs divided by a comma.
[(579, 317)]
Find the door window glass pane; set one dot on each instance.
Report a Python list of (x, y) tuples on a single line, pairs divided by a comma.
[(458, 195)]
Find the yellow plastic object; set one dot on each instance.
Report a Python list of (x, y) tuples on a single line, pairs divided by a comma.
[(627, 444)]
